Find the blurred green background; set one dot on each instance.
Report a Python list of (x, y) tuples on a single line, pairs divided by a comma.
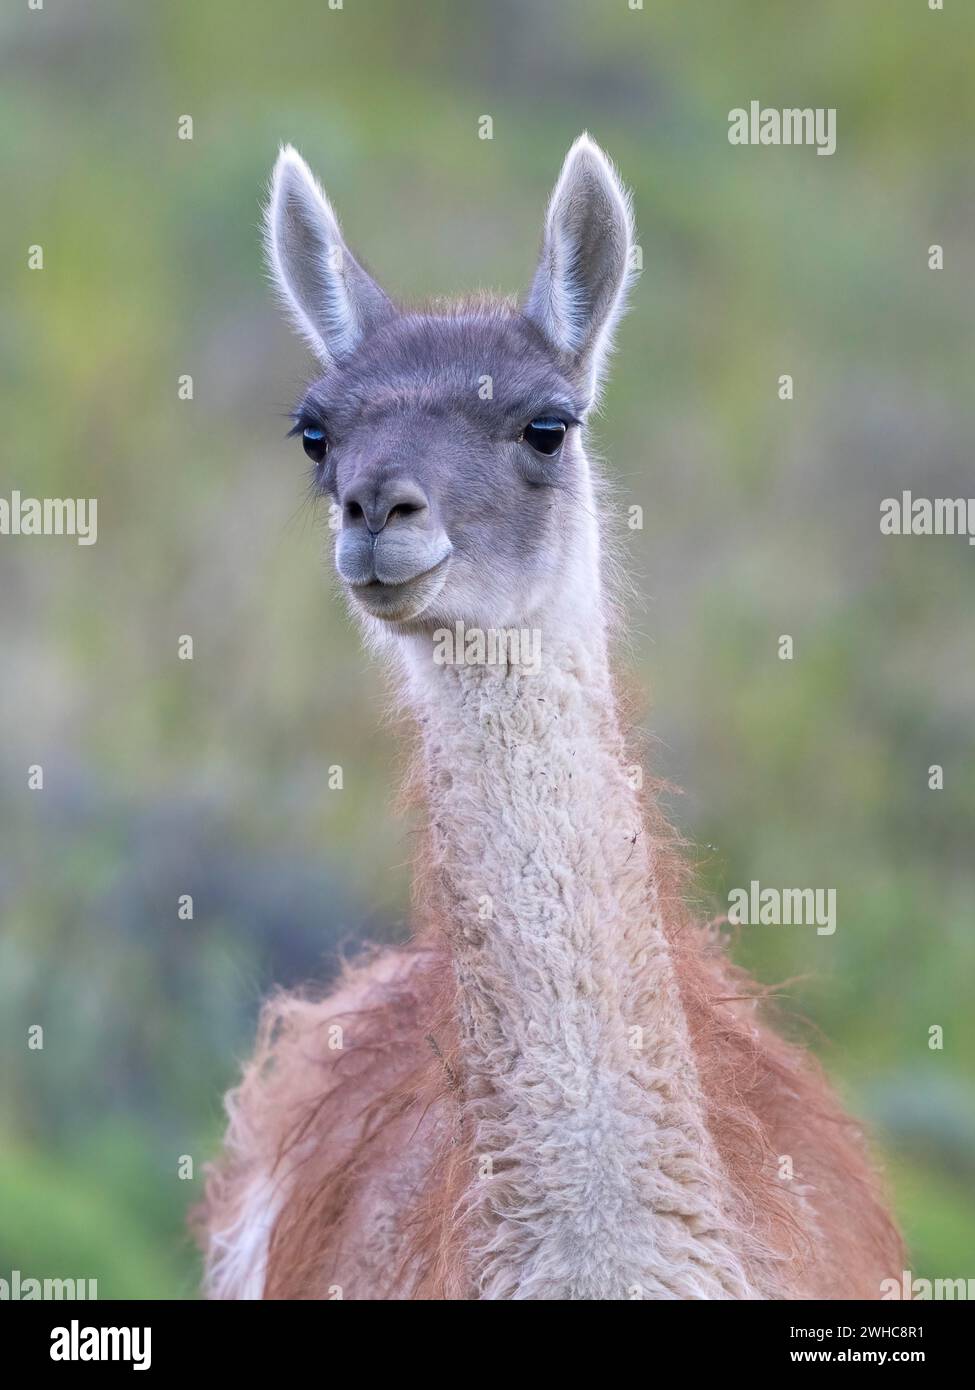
[(209, 777)]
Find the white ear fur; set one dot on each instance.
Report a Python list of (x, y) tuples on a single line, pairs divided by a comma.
[(332, 300), (584, 270)]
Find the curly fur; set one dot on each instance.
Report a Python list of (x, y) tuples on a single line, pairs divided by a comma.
[(487, 1129)]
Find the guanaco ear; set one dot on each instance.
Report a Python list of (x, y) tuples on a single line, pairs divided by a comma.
[(333, 301), (579, 288)]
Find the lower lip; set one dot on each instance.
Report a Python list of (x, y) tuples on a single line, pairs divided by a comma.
[(384, 600), (385, 591)]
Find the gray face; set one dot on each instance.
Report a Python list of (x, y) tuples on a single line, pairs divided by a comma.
[(448, 510), (450, 439)]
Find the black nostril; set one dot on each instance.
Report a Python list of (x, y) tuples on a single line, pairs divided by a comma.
[(353, 511), (403, 509)]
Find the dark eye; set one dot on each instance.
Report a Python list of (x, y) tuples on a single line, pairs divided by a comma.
[(545, 436), (314, 443)]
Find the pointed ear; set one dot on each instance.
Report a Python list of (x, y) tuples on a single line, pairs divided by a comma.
[(579, 288), (333, 301)]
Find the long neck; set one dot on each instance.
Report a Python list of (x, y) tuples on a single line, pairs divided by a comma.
[(595, 1176)]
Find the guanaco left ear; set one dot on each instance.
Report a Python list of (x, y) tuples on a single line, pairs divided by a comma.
[(579, 288), (333, 301)]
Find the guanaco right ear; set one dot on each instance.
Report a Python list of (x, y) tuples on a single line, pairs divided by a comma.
[(579, 289), (332, 300)]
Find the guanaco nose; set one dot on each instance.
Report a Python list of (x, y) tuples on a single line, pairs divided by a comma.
[(376, 505)]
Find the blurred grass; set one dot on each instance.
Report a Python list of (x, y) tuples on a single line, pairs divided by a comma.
[(210, 777)]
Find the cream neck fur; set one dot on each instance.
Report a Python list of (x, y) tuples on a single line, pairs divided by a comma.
[(596, 1177)]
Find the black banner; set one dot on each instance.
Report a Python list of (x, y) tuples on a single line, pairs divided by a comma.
[(166, 1338)]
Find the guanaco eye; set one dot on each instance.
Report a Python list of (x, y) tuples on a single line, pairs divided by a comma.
[(314, 443), (545, 435)]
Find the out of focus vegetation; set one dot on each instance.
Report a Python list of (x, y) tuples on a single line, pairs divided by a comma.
[(209, 777)]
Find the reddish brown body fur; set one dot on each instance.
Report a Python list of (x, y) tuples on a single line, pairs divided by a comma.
[(368, 1143)]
